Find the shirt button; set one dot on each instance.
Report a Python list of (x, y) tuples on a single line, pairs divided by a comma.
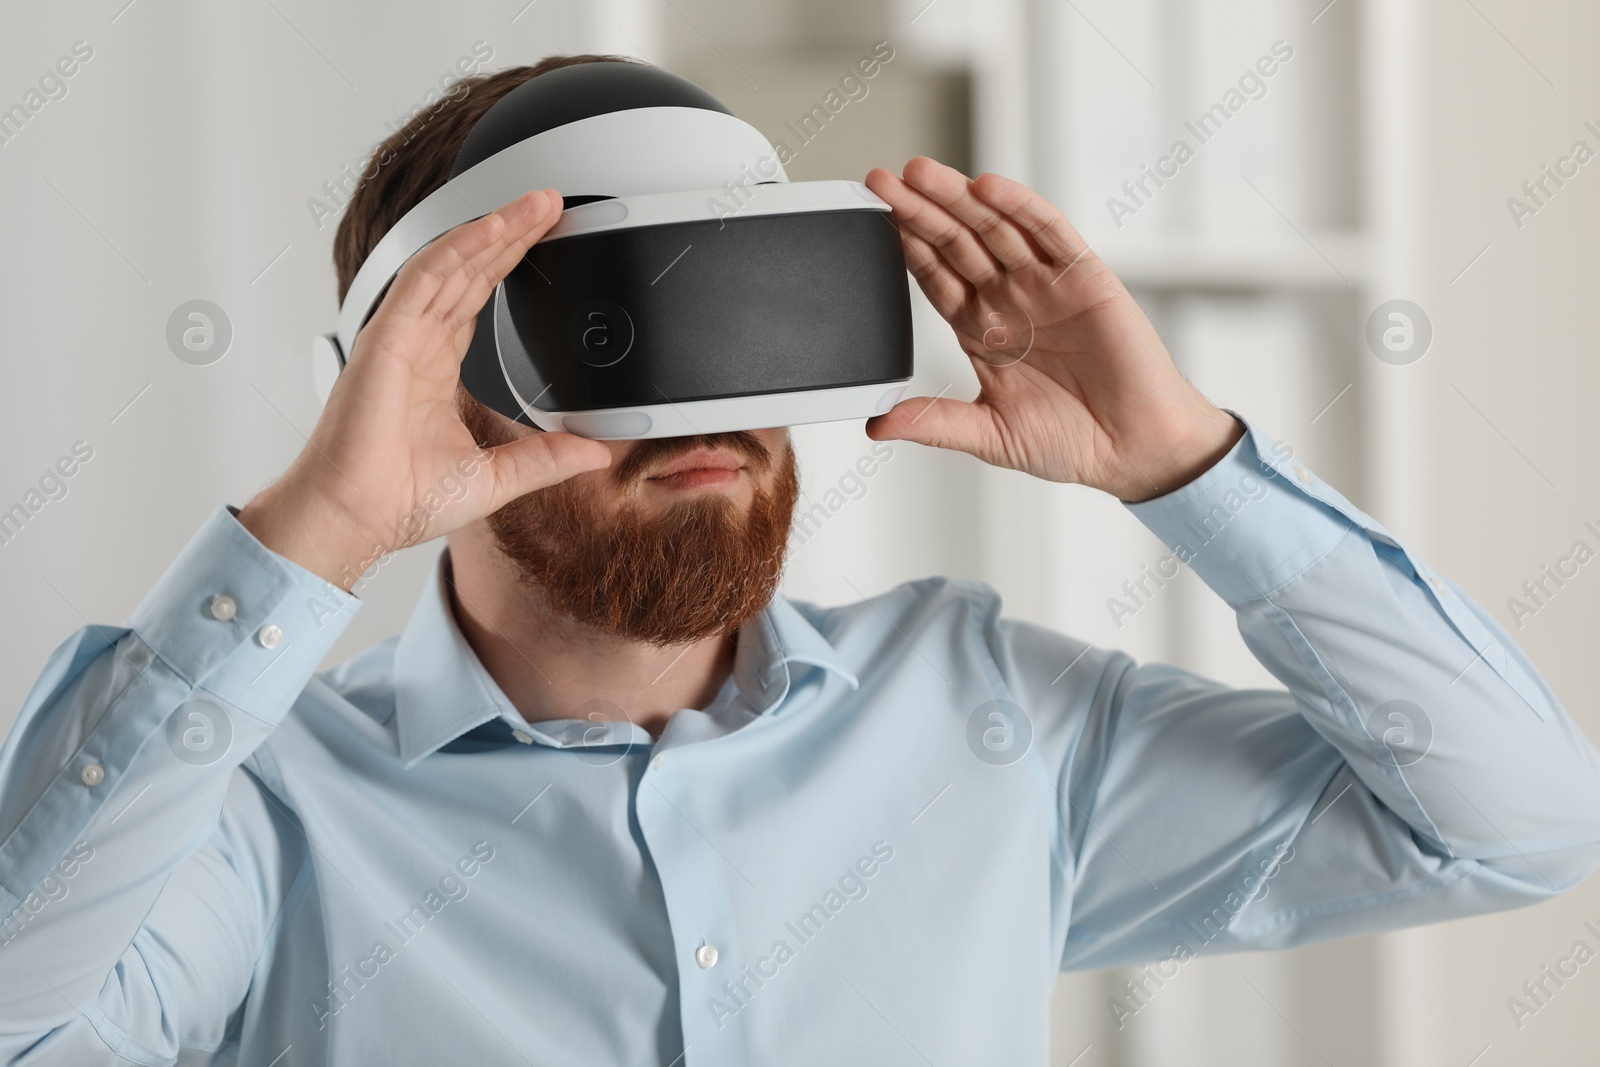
[(520, 736), (1303, 474), (1437, 584), (94, 774), (656, 763), (269, 635), (706, 956), (223, 607)]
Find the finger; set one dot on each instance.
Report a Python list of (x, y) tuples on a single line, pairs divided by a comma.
[(448, 282), (956, 242), (946, 290), (540, 460), (936, 421), (422, 278), (1035, 215), (951, 189), (466, 290)]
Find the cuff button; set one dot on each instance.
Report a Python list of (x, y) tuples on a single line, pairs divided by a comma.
[(269, 635), (223, 607)]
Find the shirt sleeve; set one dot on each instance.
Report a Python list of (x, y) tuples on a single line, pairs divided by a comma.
[(1417, 767), (140, 865)]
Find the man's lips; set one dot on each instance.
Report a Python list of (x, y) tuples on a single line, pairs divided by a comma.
[(702, 467)]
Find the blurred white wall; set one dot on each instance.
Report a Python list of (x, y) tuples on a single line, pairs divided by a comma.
[(179, 163), (1514, 387), (179, 166)]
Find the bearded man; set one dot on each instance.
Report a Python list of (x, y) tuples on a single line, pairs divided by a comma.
[(611, 799)]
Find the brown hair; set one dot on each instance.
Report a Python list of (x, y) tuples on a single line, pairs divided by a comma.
[(417, 158)]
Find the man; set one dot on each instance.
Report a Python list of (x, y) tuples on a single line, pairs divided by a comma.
[(609, 799)]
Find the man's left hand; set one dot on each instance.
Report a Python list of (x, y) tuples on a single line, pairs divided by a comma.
[(1075, 384)]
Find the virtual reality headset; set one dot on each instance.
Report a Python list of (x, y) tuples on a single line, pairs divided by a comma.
[(688, 288)]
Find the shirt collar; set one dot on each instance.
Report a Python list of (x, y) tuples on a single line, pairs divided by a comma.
[(442, 689)]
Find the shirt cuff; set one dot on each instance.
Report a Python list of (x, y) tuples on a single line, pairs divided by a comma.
[(1247, 526), (240, 621)]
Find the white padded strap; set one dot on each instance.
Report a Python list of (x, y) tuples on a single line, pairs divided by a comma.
[(620, 153)]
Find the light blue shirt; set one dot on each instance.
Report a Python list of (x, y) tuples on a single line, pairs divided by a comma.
[(899, 820)]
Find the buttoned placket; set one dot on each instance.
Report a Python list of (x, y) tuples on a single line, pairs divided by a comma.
[(695, 875)]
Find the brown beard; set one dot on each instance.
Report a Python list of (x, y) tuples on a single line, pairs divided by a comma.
[(699, 569)]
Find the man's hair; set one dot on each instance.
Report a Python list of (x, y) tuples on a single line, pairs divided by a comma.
[(419, 157)]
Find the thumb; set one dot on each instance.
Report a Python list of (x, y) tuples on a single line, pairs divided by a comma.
[(539, 460), (935, 421)]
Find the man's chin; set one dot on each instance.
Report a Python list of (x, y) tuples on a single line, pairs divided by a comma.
[(673, 566)]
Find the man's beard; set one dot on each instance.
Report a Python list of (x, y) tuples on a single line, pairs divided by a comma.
[(701, 567)]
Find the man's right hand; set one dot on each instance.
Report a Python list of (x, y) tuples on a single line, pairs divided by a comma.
[(390, 450)]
